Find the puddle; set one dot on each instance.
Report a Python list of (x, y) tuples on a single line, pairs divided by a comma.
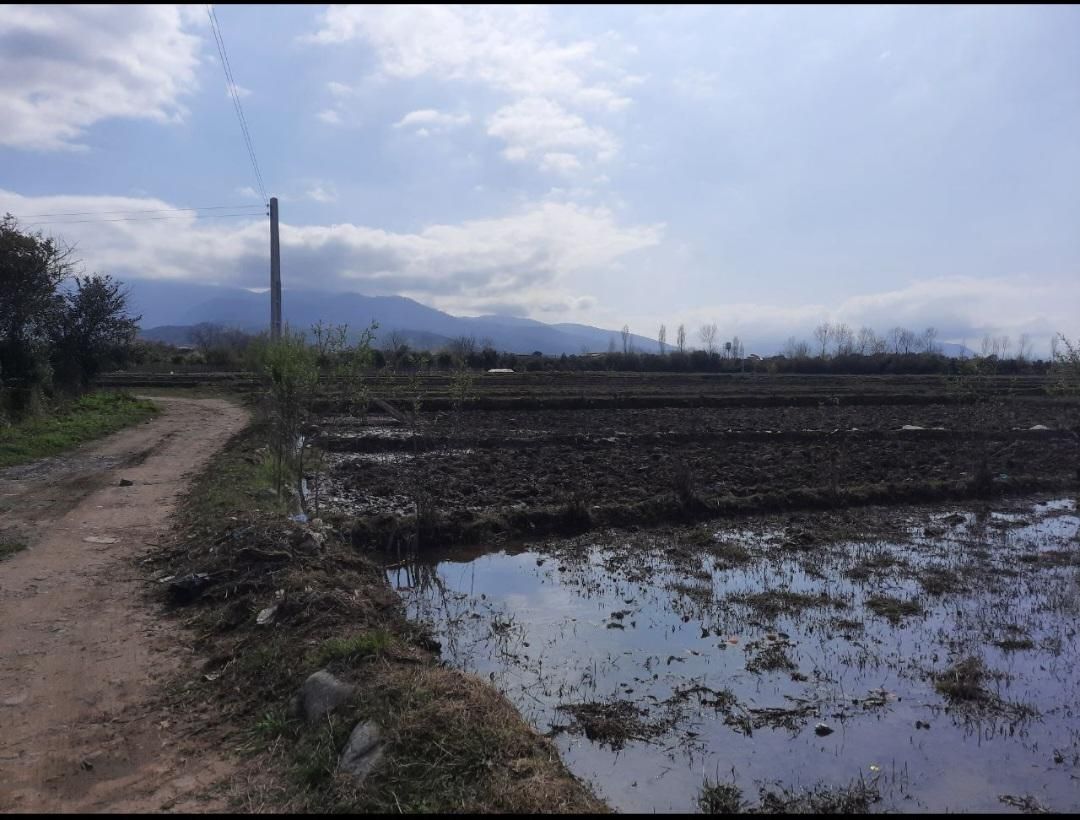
[(720, 659)]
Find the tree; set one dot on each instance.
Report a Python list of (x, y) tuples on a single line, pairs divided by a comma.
[(795, 349), (95, 330), (708, 337), (31, 271), (462, 348), (661, 337), (1023, 347), (843, 339), (901, 340), (822, 334), (680, 339), (867, 342), (928, 342), (627, 345)]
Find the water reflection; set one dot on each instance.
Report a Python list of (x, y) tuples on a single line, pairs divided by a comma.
[(740, 647)]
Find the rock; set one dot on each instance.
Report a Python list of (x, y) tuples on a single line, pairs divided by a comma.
[(821, 730), (363, 751), (124, 482), (320, 694), (188, 588), (307, 540), (312, 542), (265, 616)]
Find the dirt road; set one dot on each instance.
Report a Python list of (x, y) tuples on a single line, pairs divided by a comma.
[(82, 654)]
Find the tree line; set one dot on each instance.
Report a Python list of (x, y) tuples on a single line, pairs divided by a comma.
[(58, 328)]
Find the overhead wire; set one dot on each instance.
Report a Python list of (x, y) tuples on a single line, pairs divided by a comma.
[(230, 81), (260, 212), (141, 211)]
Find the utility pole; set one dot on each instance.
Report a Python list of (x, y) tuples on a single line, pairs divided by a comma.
[(275, 273)]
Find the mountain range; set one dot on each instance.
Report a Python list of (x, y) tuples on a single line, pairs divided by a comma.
[(170, 309)]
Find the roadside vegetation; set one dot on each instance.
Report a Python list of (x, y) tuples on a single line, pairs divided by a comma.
[(58, 331), (89, 417), (275, 600)]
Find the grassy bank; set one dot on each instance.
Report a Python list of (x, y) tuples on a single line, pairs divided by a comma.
[(89, 417), (451, 743)]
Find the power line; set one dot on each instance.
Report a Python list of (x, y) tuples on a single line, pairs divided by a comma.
[(215, 27), (133, 211), (146, 218)]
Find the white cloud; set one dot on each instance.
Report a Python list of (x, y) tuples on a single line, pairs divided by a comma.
[(510, 50), (249, 193), (540, 129), (504, 47), (339, 89), (429, 120), (560, 162), (323, 192), (962, 309), (64, 68), (330, 116), (241, 92), (533, 257)]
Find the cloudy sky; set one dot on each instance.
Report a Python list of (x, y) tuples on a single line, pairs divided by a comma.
[(763, 168)]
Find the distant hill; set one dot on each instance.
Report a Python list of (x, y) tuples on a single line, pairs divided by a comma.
[(168, 307)]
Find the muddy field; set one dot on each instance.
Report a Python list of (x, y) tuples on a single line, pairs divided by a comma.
[(495, 462), (714, 598)]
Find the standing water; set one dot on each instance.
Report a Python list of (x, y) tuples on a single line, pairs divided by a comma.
[(935, 667)]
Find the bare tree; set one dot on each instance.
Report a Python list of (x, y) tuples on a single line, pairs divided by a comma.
[(795, 349), (901, 340), (708, 337), (680, 338), (866, 341), (843, 340), (661, 337), (627, 345), (462, 347), (737, 348), (928, 341), (1023, 347), (822, 334)]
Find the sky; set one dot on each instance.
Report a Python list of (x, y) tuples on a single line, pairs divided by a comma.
[(763, 168)]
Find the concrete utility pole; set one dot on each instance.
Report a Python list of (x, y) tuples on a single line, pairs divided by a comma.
[(275, 273)]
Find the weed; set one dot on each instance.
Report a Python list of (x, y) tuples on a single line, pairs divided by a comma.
[(9, 548), (353, 648), (895, 609), (720, 798)]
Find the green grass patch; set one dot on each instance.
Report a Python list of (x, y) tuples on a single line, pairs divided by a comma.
[(9, 548), (352, 648), (239, 478), (85, 419)]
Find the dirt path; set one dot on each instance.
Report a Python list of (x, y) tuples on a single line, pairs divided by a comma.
[(82, 655)]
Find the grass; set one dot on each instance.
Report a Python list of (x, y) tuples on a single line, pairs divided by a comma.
[(85, 419), (9, 548), (726, 798), (720, 798), (353, 648), (895, 609)]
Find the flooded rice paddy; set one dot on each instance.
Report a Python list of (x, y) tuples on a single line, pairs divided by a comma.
[(931, 654)]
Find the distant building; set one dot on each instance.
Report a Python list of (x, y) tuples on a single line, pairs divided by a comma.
[(500, 370)]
